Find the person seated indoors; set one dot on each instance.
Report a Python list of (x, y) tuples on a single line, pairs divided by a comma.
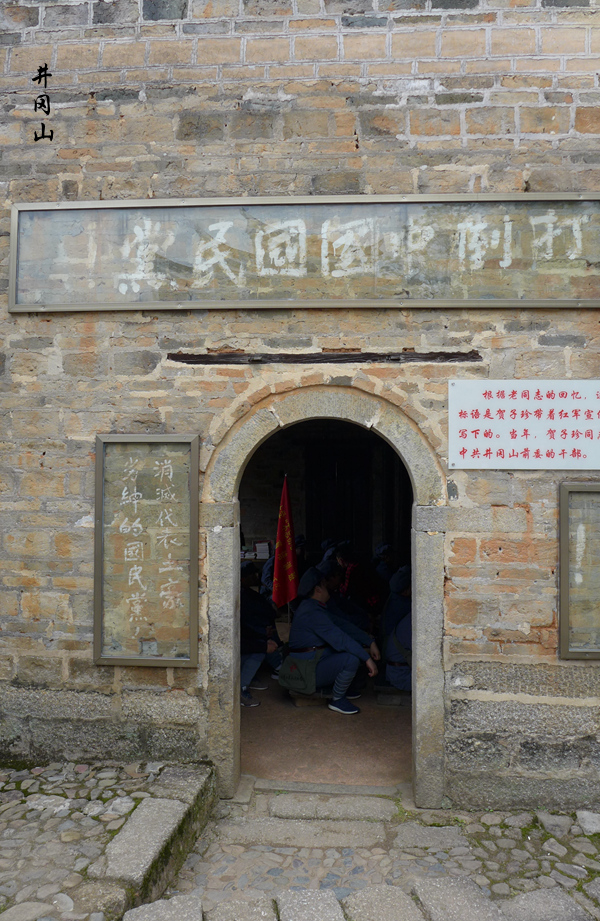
[(314, 637), (397, 627), (301, 563), (257, 613), (258, 635), (383, 562), (328, 546), (341, 612), (359, 584), (266, 577), (352, 611)]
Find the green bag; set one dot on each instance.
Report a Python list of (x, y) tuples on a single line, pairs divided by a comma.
[(299, 674)]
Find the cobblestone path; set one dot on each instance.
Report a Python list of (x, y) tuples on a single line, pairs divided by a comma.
[(55, 822), (269, 841), (318, 854)]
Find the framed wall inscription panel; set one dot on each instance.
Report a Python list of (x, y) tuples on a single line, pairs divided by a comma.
[(441, 251), (580, 570), (146, 550)]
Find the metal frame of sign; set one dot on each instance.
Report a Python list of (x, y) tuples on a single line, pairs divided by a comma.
[(565, 490), (377, 303), (101, 441)]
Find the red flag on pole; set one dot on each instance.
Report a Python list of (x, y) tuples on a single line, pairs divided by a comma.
[(285, 571)]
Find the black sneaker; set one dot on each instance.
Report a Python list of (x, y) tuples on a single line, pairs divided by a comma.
[(257, 685), (247, 700), (343, 705)]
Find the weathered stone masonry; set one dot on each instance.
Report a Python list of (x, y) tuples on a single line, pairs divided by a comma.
[(165, 99)]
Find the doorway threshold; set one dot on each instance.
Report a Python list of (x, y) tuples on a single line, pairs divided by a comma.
[(298, 786)]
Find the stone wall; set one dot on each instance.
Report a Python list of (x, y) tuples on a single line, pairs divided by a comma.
[(166, 98), (162, 98)]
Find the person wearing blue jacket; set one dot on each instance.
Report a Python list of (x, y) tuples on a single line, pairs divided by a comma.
[(382, 562), (266, 578), (338, 611), (258, 635), (397, 628), (313, 631)]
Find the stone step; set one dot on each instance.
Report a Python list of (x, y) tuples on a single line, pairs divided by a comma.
[(381, 903), (181, 908), (543, 905), (258, 909), (329, 789), (309, 906), (411, 834), (353, 808), (439, 900), (453, 899), (142, 856), (277, 832)]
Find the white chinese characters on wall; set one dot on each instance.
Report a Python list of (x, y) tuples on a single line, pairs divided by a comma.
[(480, 250), (524, 424), (146, 551), (346, 247)]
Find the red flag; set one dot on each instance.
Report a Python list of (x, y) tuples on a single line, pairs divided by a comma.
[(285, 571)]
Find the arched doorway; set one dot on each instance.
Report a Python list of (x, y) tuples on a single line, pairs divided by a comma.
[(220, 521), (345, 483)]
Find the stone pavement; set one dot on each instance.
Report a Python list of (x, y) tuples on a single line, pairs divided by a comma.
[(331, 853), (86, 841), (78, 841)]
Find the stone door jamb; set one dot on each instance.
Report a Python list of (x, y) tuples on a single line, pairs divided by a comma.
[(219, 517)]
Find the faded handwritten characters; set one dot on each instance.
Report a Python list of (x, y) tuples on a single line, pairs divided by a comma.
[(170, 591), (147, 568), (133, 551), (481, 250)]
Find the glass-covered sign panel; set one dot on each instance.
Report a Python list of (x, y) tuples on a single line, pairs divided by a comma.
[(146, 566), (524, 424), (580, 570), (275, 252)]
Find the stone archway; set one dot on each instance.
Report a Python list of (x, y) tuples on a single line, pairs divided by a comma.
[(219, 518)]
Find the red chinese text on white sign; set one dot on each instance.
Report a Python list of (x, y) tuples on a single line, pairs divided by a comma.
[(527, 424)]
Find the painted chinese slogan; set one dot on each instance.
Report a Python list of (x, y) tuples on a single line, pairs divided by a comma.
[(146, 550), (121, 256), (524, 424), (584, 571)]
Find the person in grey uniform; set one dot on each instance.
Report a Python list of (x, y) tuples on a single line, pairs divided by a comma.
[(328, 547), (258, 635), (314, 636), (338, 610), (397, 627), (383, 562), (266, 578)]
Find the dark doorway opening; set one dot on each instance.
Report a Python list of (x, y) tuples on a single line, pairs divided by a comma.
[(345, 483)]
